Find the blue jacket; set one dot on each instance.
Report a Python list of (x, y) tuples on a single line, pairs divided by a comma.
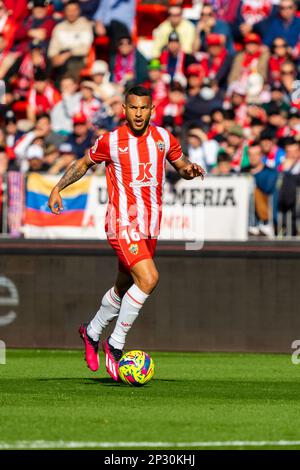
[(277, 28), (118, 10)]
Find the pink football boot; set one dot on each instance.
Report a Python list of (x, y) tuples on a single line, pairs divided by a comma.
[(91, 349), (112, 357)]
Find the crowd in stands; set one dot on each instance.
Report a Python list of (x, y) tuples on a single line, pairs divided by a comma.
[(224, 81)]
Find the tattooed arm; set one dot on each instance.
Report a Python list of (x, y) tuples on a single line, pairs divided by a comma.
[(74, 172)]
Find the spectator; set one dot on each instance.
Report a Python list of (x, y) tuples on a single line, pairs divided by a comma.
[(58, 164), (172, 107), (51, 155), (288, 74), (41, 134), (200, 149), (236, 146), (216, 62), (285, 24), (265, 186), (279, 55), (61, 114), (82, 137), (42, 96), (277, 119), (202, 105), (8, 27), (157, 86), (273, 155), (7, 60), (291, 180), (236, 100), (104, 89), (89, 105), (38, 26), (28, 64), (112, 116), (253, 60), (223, 167), (207, 24), (175, 22), (195, 75), (251, 12), (277, 98), (115, 19), (12, 133), (70, 42), (174, 60), (128, 66), (35, 159)]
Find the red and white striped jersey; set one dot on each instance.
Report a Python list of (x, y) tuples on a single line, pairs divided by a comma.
[(135, 174)]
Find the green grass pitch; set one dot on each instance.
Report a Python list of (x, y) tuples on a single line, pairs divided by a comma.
[(50, 399)]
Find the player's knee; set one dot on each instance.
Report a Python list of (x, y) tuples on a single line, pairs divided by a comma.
[(150, 281)]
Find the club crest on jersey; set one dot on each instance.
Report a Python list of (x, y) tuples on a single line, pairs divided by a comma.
[(134, 248), (145, 177), (160, 145)]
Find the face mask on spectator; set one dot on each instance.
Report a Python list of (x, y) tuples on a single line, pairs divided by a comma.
[(207, 93)]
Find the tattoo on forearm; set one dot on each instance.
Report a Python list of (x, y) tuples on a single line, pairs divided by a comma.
[(74, 173)]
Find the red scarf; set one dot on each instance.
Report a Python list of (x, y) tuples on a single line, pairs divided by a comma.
[(250, 59), (274, 67), (211, 65), (124, 66)]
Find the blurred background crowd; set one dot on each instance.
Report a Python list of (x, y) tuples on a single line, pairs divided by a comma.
[(223, 76)]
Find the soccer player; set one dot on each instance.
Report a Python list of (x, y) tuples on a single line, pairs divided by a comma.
[(135, 156)]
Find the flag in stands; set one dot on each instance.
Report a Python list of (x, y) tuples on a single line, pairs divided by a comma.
[(74, 202)]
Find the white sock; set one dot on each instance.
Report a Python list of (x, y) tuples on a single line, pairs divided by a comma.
[(109, 309), (131, 305)]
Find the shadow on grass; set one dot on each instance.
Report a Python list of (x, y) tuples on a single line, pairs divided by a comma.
[(194, 389)]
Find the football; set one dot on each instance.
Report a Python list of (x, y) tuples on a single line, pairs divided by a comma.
[(136, 368)]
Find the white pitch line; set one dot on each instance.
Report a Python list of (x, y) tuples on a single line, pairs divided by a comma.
[(130, 445)]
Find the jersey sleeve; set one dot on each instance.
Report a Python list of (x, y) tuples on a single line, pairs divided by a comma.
[(175, 150), (100, 152)]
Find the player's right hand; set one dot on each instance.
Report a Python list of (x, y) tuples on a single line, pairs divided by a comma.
[(55, 202)]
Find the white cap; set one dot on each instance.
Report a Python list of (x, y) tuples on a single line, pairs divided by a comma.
[(99, 66), (35, 151)]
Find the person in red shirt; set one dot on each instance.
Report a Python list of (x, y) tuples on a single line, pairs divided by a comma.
[(42, 96), (37, 26), (8, 27), (135, 156), (279, 54)]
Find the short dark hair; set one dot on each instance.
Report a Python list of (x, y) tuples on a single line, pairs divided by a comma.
[(254, 143), (72, 2), (138, 90), (43, 115), (290, 141)]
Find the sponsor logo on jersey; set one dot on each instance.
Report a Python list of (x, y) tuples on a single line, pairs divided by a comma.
[(145, 177), (123, 150), (134, 248), (160, 145)]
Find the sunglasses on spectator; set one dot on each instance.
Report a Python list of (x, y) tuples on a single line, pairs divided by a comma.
[(207, 14), (287, 72), (175, 14), (287, 7)]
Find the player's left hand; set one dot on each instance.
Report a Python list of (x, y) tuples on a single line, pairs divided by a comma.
[(192, 170)]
